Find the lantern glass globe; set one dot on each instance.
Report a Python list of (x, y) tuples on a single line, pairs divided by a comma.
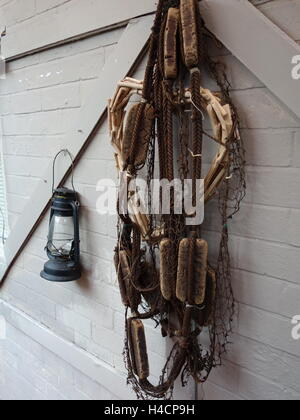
[(61, 236)]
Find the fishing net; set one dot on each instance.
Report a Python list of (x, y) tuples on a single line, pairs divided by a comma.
[(162, 262)]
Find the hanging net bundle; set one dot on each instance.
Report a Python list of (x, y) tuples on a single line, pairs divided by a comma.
[(163, 265)]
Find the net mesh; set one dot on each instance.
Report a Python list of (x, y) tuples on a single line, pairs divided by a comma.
[(176, 149)]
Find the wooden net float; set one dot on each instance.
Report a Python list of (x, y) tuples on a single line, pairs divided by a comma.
[(192, 271), (167, 282), (189, 33), (122, 264), (138, 348), (170, 46)]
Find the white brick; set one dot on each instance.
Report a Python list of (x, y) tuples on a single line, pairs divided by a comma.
[(293, 228), (269, 259), (238, 75), (63, 96), (5, 105), (28, 300), (73, 320), (268, 147), (71, 393), (93, 311), (25, 367), (17, 388), (96, 269), (12, 219), (97, 350), (213, 239), (44, 75), (92, 64), (108, 339), (90, 196), (276, 365), (16, 202), (100, 148), (254, 387), (18, 11), (49, 123), (22, 63), (105, 295), (28, 345), (57, 366), (94, 391), (37, 246), (30, 167), (91, 171), (273, 187), (257, 221), (31, 277), (269, 114), (91, 220), (249, 386), (44, 5), (212, 392), (82, 47), (267, 328), (58, 327), (96, 244), (285, 14), (25, 102), (37, 146), (255, 290), (296, 154), (53, 394)]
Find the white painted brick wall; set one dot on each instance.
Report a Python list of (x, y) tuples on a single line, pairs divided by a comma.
[(39, 98)]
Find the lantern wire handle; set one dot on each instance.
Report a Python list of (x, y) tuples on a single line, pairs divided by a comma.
[(66, 152)]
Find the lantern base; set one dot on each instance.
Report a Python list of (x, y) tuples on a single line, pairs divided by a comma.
[(61, 271)]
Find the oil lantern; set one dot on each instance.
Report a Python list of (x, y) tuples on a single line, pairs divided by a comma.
[(63, 246)]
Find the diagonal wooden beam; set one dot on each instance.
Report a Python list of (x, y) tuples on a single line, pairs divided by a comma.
[(92, 115)]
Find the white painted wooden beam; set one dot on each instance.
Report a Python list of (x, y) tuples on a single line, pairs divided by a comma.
[(128, 49), (259, 44)]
